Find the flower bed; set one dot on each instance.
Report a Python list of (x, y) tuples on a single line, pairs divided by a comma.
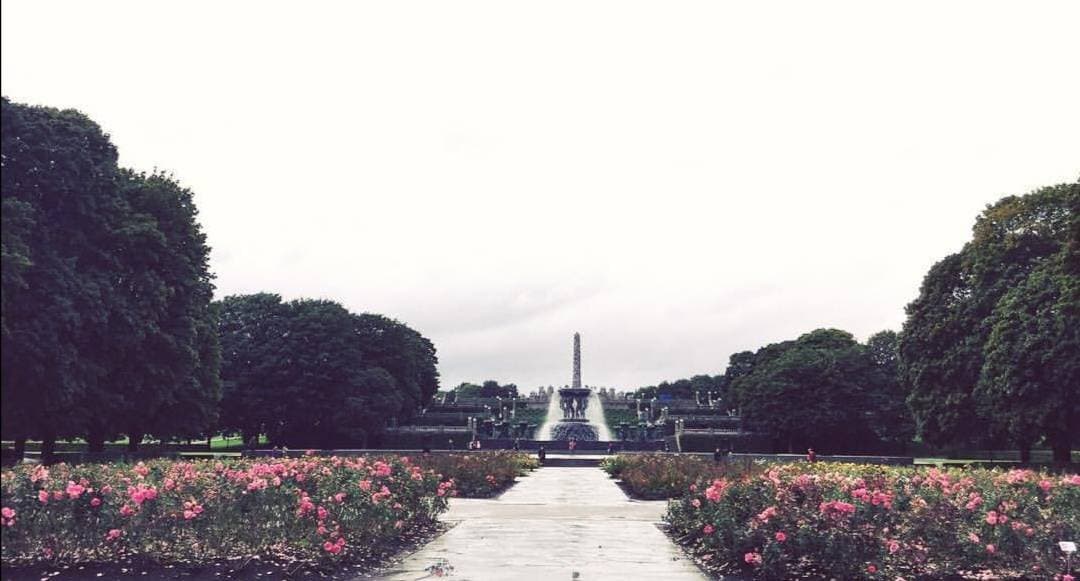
[(863, 522), (479, 474), (310, 510), (657, 476)]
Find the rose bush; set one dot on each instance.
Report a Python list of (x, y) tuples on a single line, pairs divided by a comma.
[(850, 521), (480, 474), (656, 476), (310, 509)]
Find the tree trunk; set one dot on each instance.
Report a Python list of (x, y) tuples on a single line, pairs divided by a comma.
[(134, 439), (48, 449), (95, 442)]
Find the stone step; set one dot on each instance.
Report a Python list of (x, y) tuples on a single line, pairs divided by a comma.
[(573, 461)]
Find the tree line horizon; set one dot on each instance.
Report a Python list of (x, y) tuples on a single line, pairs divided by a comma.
[(109, 328)]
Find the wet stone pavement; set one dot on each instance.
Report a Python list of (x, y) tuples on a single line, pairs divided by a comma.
[(555, 524)]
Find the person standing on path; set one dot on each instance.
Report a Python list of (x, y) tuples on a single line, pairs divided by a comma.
[(572, 445), (811, 456), (541, 454)]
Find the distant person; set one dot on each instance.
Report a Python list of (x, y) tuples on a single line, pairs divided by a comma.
[(666, 447), (717, 456), (811, 456), (541, 454), (450, 443), (610, 447), (517, 444), (572, 445)]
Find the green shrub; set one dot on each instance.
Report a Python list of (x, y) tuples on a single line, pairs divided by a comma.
[(316, 510), (479, 474), (656, 476), (849, 521)]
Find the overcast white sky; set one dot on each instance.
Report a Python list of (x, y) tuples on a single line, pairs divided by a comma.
[(676, 181)]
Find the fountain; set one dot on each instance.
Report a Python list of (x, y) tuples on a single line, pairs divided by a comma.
[(582, 414)]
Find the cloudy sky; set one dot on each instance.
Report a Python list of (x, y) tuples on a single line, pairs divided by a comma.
[(676, 181)]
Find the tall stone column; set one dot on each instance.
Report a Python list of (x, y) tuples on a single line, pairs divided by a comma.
[(577, 362)]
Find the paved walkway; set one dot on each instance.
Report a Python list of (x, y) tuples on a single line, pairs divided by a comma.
[(555, 524)]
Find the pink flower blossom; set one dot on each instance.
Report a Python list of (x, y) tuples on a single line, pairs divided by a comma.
[(114, 534), (974, 538), (95, 502), (708, 529), (74, 490), (1046, 485), (7, 512), (752, 558), (780, 536), (871, 568), (894, 546), (365, 485), (696, 502), (126, 510), (991, 549), (992, 517), (767, 514), (339, 497), (43, 496)]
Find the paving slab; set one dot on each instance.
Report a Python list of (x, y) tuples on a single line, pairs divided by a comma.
[(557, 523)]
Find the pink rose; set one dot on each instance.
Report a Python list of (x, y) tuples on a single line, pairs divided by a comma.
[(95, 502), (752, 558), (114, 534), (708, 529), (780, 536), (43, 496)]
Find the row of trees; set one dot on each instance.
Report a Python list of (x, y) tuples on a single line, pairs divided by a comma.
[(308, 373), (108, 328), (989, 353), (488, 389), (822, 389)]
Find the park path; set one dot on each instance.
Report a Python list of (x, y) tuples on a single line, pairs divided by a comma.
[(557, 523)]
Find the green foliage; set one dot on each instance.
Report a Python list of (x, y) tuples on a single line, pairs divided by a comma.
[(966, 296), (310, 373), (479, 474), (105, 290), (58, 182), (489, 389), (817, 390), (309, 510), (846, 521), (659, 476)]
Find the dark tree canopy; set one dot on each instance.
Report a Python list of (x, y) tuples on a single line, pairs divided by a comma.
[(817, 390), (62, 210), (310, 373), (947, 335), (105, 289)]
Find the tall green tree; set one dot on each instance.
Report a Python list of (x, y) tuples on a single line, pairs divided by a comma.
[(943, 343), (890, 417), (310, 373), (1030, 382), (813, 391), (58, 182), (159, 363)]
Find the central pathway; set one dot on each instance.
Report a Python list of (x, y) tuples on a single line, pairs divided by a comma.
[(555, 524)]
